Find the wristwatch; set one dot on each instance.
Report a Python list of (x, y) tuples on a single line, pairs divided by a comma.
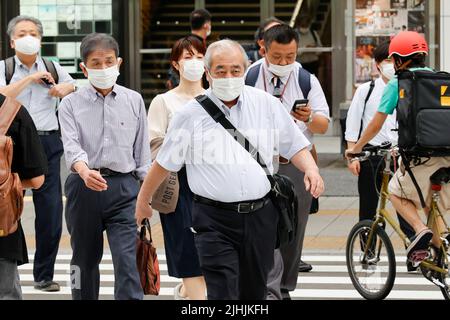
[(310, 119), (75, 88)]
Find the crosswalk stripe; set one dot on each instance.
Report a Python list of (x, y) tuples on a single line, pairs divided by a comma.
[(329, 273)]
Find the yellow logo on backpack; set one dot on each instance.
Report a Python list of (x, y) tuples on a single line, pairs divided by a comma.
[(445, 99)]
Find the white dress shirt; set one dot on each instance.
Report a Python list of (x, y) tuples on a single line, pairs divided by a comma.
[(218, 167), (355, 113), (292, 92)]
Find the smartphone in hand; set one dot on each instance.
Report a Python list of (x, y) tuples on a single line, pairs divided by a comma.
[(298, 104), (46, 82)]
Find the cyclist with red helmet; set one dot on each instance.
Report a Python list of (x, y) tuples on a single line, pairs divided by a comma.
[(408, 50)]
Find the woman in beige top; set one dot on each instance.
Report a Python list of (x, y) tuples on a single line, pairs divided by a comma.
[(181, 253)]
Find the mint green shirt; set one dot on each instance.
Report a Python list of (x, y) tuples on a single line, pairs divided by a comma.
[(389, 100)]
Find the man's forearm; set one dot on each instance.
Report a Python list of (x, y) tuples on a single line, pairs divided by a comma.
[(152, 181), (304, 161), (372, 130), (319, 124), (15, 89), (79, 167)]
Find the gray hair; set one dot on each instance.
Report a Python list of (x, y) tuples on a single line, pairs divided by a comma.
[(224, 45), (95, 41), (15, 21)]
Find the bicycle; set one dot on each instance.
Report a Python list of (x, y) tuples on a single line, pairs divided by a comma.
[(370, 256)]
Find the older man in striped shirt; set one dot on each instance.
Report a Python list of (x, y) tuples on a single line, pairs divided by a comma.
[(105, 137)]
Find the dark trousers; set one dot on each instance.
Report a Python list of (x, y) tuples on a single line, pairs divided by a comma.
[(368, 190), (88, 215), (235, 250), (48, 207)]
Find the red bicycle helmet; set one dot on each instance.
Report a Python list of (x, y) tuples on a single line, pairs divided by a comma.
[(407, 43)]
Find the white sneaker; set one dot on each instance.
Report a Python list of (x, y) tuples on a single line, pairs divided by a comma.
[(176, 292)]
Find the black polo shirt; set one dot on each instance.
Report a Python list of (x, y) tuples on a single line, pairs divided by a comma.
[(29, 161)]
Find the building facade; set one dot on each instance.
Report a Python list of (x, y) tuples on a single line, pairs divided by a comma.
[(348, 29)]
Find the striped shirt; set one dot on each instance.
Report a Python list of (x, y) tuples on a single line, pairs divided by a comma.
[(35, 98), (106, 132)]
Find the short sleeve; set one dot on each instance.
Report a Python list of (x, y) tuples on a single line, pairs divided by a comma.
[(317, 99), (158, 119), (173, 152), (64, 76), (389, 100), (29, 158)]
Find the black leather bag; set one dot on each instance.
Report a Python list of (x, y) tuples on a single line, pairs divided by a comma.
[(282, 193)]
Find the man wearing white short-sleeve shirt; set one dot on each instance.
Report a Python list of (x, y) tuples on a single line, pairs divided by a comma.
[(279, 74), (235, 248)]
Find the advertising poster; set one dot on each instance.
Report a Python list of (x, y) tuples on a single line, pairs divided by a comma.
[(377, 21)]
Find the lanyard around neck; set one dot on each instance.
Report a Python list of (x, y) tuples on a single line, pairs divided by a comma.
[(285, 86)]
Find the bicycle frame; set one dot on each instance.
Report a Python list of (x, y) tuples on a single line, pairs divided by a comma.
[(384, 216)]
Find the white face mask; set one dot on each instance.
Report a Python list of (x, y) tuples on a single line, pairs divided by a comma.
[(303, 30), (103, 78), (228, 89), (193, 69), (208, 33), (28, 45), (281, 71), (387, 70)]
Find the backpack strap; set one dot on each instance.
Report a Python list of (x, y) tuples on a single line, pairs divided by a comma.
[(372, 86), (304, 81), (406, 161), (10, 68), (8, 112), (314, 35), (252, 76), (50, 66)]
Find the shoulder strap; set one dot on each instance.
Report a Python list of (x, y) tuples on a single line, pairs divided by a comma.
[(50, 66), (252, 76), (406, 161), (218, 116), (372, 86), (10, 67), (314, 35), (304, 81), (8, 112)]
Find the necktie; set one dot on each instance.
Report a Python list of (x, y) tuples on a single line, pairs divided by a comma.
[(277, 88)]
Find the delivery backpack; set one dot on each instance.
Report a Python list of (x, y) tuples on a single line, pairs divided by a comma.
[(423, 116), (423, 113)]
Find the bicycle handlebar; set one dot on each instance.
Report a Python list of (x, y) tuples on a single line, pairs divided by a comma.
[(371, 151)]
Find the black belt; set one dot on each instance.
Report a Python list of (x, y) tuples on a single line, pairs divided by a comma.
[(239, 207), (47, 133), (105, 172)]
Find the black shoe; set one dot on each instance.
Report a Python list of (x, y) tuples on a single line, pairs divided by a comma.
[(47, 286), (285, 294), (418, 248), (304, 267)]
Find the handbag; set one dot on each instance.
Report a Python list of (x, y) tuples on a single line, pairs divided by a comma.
[(165, 198), (147, 262), (282, 193)]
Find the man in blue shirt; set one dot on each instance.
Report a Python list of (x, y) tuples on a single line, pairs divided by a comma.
[(31, 83)]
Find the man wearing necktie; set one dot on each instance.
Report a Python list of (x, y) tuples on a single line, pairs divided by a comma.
[(280, 75)]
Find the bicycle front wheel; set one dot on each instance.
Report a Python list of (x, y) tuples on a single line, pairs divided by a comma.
[(372, 274)]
